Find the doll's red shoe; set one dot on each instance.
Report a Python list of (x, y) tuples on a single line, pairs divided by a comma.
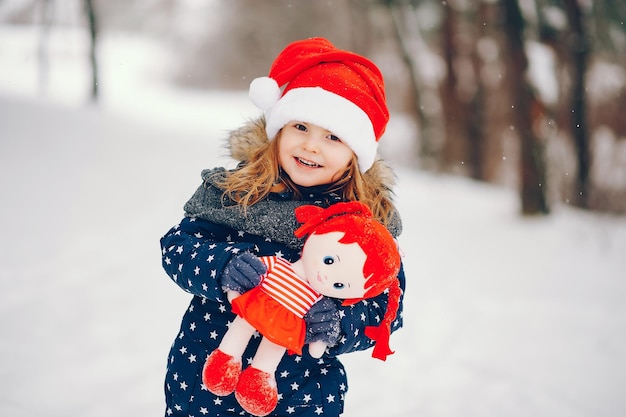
[(221, 373), (256, 392)]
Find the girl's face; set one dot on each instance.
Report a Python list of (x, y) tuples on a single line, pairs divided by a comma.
[(332, 268), (311, 155)]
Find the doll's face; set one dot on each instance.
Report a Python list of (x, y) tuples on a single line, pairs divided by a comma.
[(334, 269)]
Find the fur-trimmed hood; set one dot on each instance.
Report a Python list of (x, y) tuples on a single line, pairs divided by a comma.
[(243, 141)]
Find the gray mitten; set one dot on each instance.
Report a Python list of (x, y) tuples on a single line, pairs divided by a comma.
[(322, 322), (243, 272)]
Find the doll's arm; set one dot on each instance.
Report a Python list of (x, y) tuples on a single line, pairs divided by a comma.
[(317, 348), (355, 318), (194, 254), (231, 295)]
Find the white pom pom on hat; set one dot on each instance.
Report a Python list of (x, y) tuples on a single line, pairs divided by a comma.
[(338, 90), (264, 92)]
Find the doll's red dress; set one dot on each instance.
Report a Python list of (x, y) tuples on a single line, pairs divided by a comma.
[(276, 306)]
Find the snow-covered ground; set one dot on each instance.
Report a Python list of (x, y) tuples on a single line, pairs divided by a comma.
[(505, 316)]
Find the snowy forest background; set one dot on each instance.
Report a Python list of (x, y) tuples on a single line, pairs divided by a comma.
[(509, 141), (521, 93)]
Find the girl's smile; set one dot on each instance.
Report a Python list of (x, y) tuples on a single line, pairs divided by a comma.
[(307, 163)]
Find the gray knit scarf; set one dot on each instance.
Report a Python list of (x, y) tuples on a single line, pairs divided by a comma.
[(271, 217)]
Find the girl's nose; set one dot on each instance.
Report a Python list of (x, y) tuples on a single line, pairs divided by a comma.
[(311, 144)]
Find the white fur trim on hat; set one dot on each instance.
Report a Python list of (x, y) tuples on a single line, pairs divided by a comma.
[(332, 112)]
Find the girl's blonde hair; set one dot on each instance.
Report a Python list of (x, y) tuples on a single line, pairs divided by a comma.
[(260, 175)]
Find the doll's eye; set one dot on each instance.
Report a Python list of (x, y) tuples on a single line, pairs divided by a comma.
[(338, 285), (328, 260)]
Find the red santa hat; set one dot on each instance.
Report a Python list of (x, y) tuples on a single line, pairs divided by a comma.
[(329, 87)]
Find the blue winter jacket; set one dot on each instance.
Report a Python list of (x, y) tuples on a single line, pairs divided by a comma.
[(194, 254)]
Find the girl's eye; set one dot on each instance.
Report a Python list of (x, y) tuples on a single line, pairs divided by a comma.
[(338, 285), (328, 260), (334, 138), (300, 127)]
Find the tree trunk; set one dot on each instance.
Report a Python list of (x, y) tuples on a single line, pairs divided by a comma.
[(475, 109), (454, 149), (93, 32), (578, 45), (426, 149), (533, 186), (42, 52)]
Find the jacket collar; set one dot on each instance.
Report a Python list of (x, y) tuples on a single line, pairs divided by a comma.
[(319, 194)]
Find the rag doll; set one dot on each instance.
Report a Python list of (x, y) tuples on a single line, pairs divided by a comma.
[(346, 255)]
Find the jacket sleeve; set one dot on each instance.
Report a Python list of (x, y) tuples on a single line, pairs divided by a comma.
[(369, 312), (194, 254)]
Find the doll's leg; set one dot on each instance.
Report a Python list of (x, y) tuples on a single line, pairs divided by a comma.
[(223, 366), (256, 390), (237, 337), (268, 356)]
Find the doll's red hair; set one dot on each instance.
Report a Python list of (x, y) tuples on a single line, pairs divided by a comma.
[(382, 263)]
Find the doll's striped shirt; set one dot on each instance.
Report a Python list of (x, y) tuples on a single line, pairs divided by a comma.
[(283, 284)]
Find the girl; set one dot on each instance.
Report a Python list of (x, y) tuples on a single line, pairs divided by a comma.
[(347, 255), (315, 145)]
